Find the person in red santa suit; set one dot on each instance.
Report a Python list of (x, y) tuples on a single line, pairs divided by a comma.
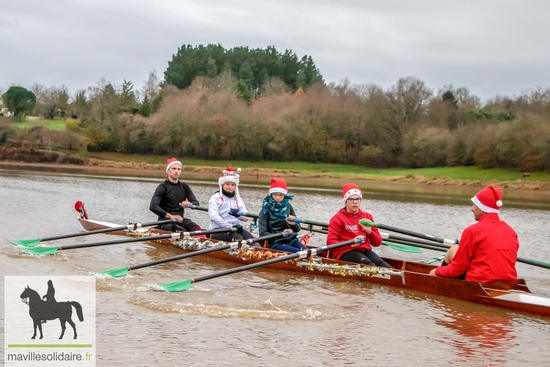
[(488, 249), (344, 226)]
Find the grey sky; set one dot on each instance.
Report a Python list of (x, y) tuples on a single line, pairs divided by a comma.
[(490, 47)]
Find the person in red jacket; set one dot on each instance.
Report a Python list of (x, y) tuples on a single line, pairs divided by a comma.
[(488, 249), (344, 226)]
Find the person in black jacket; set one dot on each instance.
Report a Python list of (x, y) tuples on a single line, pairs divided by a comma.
[(171, 198)]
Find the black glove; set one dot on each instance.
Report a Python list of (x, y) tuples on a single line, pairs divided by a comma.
[(239, 228), (235, 212)]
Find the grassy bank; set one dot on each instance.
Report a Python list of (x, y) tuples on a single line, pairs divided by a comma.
[(31, 121), (304, 169)]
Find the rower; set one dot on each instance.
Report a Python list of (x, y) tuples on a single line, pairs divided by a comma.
[(276, 216), (488, 249), (171, 198), (226, 208), (345, 225)]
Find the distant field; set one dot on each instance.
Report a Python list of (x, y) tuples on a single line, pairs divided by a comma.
[(55, 124), (457, 173)]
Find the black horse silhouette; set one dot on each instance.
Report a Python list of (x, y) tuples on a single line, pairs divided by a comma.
[(50, 309)]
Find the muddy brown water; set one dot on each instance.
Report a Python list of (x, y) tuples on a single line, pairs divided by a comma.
[(263, 317)]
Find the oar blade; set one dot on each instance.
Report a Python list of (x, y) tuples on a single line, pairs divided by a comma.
[(174, 286), (26, 243), (115, 273), (403, 248), (42, 251)]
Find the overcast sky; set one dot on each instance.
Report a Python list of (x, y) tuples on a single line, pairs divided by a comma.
[(491, 47)]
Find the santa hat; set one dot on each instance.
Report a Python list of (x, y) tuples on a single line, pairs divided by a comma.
[(230, 175), (489, 199), (278, 185), (350, 189), (170, 162)]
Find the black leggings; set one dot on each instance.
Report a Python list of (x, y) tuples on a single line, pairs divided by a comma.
[(367, 257), (234, 236), (186, 226)]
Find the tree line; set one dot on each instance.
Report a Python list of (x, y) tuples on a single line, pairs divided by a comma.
[(406, 125)]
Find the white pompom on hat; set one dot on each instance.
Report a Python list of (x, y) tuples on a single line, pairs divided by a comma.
[(489, 200), (278, 185), (350, 189), (170, 162)]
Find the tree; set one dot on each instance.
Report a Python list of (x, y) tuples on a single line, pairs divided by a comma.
[(80, 106), (151, 88), (39, 90), (127, 98), (252, 67), (145, 107), (54, 99), (408, 99), (19, 100)]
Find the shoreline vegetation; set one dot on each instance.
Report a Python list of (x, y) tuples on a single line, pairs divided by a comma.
[(272, 114), (467, 177)]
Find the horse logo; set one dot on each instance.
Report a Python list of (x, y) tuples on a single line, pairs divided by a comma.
[(47, 308)]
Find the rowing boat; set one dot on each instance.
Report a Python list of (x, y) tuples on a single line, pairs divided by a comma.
[(513, 295)]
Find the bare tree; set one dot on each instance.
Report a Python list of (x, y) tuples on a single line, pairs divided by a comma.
[(151, 88), (55, 99), (39, 90), (408, 99)]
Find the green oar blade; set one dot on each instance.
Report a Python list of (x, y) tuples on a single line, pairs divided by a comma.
[(115, 273), (403, 248), (26, 243), (174, 286), (42, 251)]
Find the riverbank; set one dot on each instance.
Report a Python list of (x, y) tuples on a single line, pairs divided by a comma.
[(260, 175), (326, 175)]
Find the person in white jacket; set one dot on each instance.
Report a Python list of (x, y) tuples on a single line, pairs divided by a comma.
[(226, 207)]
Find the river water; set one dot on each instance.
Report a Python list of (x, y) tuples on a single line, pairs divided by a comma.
[(263, 317)]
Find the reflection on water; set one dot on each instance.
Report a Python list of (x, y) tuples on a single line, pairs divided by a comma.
[(479, 333)]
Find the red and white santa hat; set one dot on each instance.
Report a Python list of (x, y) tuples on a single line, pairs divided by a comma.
[(489, 199), (170, 162), (230, 175), (350, 189), (278, 185)]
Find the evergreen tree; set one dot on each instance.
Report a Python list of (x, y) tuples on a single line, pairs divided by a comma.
[(19, 100), (253, 68)]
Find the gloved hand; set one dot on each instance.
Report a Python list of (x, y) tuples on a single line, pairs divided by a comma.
[(239, 228), (235, 212)]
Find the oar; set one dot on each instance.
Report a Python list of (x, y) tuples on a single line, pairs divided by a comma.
[(245, 214), (131, 226), (311, 223), (306, 221), (402, 248), (178, 235), (433, 260), (444, 247), (421, 244), (187, 284), (255, 216), (410, 233), (233, 245)]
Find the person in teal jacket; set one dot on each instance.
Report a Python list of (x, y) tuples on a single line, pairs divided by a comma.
[(276, 208)]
